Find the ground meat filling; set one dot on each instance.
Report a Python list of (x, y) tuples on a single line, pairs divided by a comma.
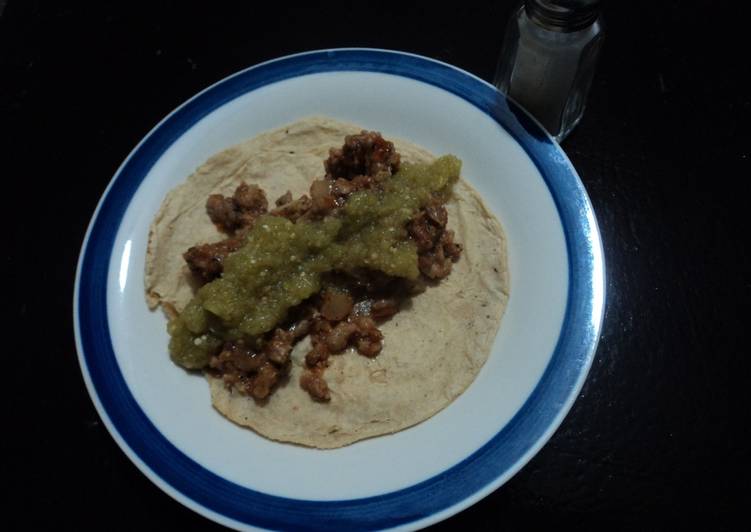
[(254, 372), (436, 248), (364, 154), (347, 312), (365, 160), (330, 337), (322, 199), (206, 260), (347, 316), (291, 209), (312, 382), (230, 214), (283, 199)]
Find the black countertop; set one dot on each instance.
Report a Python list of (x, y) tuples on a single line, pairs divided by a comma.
[(663, 150)]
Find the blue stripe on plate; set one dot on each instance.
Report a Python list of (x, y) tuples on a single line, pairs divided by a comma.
[(512, 446)]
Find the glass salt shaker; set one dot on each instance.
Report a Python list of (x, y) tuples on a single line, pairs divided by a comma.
[(548, 59)]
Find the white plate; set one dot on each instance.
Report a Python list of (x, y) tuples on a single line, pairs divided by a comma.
[(162, 418)]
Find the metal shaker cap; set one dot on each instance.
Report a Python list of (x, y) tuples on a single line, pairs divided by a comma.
[(563, 15)]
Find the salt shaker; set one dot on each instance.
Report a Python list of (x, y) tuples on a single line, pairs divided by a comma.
[(548, 59)]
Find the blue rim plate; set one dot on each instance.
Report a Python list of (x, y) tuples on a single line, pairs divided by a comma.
[(424, 502)]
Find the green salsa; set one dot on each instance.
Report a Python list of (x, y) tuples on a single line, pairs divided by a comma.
[(281, 263)]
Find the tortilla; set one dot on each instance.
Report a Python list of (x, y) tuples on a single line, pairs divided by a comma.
[(433, 349)]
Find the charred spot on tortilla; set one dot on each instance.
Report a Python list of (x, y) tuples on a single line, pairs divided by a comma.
[(346, 276)]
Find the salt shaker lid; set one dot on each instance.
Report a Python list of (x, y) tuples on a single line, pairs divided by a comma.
[(563, 15)]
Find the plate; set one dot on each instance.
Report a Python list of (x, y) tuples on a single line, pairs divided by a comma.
[(162, 418)]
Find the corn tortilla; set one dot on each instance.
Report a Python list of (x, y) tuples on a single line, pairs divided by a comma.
[(433, 349)]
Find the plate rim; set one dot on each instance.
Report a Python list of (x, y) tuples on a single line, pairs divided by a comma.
[(584, 305)]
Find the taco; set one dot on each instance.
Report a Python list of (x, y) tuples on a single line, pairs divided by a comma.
[(362, 301)]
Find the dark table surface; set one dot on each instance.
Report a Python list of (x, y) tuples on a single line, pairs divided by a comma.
[(663, 151)]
